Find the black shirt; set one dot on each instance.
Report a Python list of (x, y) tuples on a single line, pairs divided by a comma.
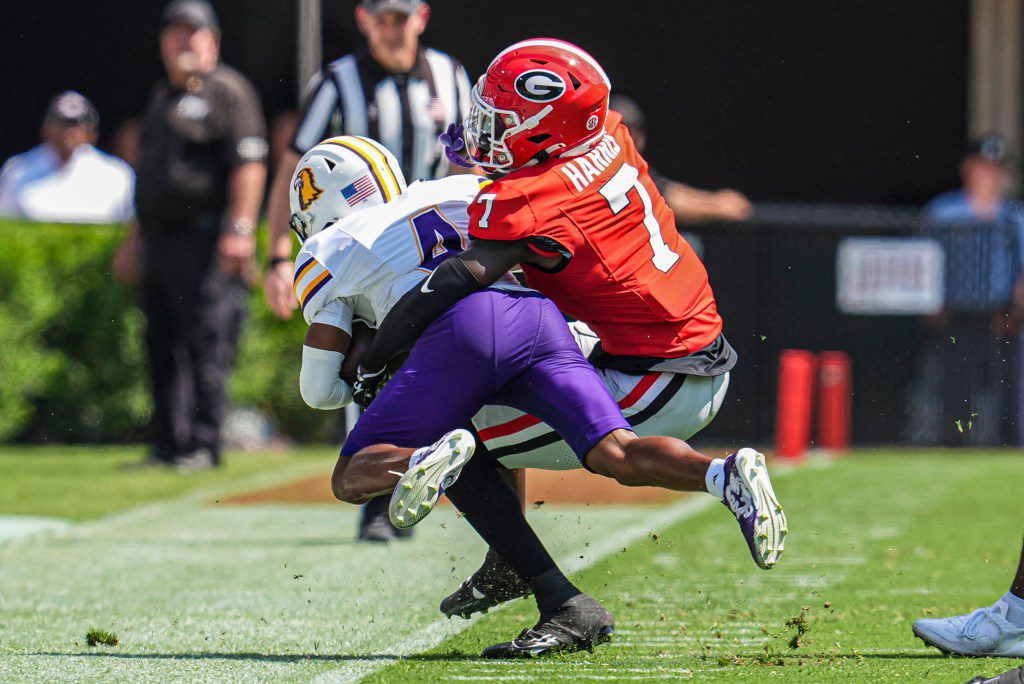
[(191, 140)]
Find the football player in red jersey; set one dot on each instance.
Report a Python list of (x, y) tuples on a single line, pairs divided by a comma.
[(572, 202)]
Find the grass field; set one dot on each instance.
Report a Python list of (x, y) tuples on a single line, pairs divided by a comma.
[(203, 591)]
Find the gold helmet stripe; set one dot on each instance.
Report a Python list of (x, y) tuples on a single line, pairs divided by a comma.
[(375, 161)]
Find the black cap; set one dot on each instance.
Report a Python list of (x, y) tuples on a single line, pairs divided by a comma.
[(991, 148), (198, 14), (403, 6), (71, 108), (632, 115)]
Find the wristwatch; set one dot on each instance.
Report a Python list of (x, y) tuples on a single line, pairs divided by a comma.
[(243, 227)]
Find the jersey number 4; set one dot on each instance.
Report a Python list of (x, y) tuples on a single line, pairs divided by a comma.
[(616, 191), (437, 238)]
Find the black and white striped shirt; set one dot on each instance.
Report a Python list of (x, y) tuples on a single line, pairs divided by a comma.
[(405, 112)]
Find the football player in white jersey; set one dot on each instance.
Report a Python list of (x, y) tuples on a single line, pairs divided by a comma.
[(367, 240), (356, 280)]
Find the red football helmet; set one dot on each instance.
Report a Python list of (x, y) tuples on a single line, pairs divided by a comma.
[(539, 98)]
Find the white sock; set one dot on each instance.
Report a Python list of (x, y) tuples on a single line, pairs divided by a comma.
[(1014, 611), (715, 478), (418, 456)]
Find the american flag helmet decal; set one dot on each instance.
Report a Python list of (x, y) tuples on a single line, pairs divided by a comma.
[(358, 190)]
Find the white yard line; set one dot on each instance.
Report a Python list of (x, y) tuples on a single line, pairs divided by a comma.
[(20, 527), (162, 508), (437, 632), (23, 526), (15, 529)]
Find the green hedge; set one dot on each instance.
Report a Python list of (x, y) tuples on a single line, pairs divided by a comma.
[(72, 363)]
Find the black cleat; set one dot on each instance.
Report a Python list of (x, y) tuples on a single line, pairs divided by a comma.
[(374, 524), (494, 583), (376, 531), (1011, 677), (580, 623)]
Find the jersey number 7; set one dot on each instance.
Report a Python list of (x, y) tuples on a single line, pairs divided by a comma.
[(616, 190)]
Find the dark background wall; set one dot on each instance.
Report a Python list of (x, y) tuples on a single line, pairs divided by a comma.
[(798, 100), (788, 101)]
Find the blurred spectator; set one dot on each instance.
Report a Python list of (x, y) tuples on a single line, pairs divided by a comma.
[(984, 194), (125, 141), (691, 206), (65, 178), (282, 133), (964, 392), (395, 91), (201, 174)]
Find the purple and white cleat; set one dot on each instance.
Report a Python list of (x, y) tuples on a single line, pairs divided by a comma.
[(750, 497), (436, 467)]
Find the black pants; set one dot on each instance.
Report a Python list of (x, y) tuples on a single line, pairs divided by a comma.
[(965, 391), (194, 317)]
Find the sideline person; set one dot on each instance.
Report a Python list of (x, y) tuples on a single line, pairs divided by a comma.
[(200, 184), (65, 179)]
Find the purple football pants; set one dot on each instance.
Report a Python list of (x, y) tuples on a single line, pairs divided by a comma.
[(493, 347)]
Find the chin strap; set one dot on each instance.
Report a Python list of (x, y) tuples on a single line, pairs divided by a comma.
[(544, 155)]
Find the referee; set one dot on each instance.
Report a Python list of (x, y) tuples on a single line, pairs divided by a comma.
[(395, 91)]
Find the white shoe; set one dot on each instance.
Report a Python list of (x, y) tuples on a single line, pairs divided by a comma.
[(750, 497), (984, 632), (418, 490)]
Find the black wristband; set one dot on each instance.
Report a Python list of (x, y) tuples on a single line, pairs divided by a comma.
[(274, 261)]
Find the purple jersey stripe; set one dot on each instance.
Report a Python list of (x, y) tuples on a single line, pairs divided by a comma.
[(300, 271), (312, 292)]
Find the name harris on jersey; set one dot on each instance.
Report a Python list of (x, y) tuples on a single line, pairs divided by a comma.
[(584, 169)]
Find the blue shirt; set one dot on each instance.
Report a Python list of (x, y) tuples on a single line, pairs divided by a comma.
[(983, 256)]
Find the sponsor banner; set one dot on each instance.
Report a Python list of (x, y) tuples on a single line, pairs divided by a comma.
[(890, 276)]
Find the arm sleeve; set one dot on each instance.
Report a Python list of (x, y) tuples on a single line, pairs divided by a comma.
[(246, 130), (322, 104), (418, 308), (320, 380)]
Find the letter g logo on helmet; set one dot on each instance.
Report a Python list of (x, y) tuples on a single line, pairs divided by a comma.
[(540, 85)]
